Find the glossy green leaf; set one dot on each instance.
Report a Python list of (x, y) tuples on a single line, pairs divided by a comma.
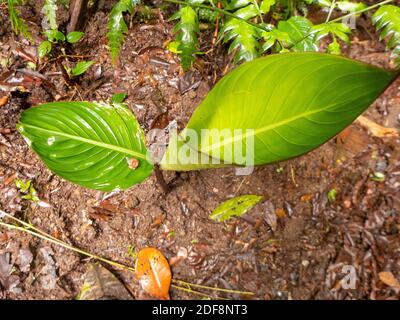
[(82, 67), (289, 103), (186, 31), (118, 97), (54, 35), (95, 145), (235, 207), (339, 30), (300, 37), (44, 48), (266, 5), (74, 36), (349, 6)]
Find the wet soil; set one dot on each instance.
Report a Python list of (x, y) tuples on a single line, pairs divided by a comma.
[(296, 244)]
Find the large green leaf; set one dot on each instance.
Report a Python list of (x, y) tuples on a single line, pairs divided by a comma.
[(294, 102), (95, 145)]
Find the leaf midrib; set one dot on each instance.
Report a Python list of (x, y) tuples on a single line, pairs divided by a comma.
[(263, 129), (89, 141)]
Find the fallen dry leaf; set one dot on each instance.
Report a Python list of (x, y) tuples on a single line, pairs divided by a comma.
[(376, 129), (350, 142), (389, 279), (306, 197), (3, 101), (153, 272), (101, 284), (280, 213)]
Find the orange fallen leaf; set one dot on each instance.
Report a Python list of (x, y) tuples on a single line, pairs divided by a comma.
[(306, 197), (389, 279), (153, 272), (280, 213), (3, 101)]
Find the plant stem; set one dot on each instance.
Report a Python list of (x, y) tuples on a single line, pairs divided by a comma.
[(227, 13), (160, 178), (330, 11), (362, 10)]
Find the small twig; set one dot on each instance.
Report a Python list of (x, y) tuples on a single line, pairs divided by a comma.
[(330, 11), (29, 228), (64, 73), (292, 176)]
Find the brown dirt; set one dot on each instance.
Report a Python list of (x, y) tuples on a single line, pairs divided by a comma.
[(299, 255)]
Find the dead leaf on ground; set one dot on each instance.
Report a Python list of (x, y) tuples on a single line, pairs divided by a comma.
[(25, 259), (101, 284), (376, 129), (389, 279), (307, 197), (104, 211), (7, 280), (180, 256), (153, 272), (3, 101), (350, 142)]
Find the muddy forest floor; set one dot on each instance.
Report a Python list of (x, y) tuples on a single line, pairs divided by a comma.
[(293, 245)]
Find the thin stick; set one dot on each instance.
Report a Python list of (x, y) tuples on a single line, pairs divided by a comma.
[(195, 292), (362, 10), (43, 235), (213, 288), (330, 11), (67, 246)]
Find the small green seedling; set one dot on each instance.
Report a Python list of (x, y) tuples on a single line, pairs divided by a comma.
[(378, 176), (80, 68), (57, 37), (332, 195), (132, 252), (27, 189)]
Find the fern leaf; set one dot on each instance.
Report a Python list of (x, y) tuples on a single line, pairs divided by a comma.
[(17, 23), (300, 38), (186, 31), (387, 20), (50, 12), (117, 27), (274, 37), (244, 37), (339, 30)]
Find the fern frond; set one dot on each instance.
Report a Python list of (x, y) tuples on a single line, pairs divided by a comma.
[(50, 12), (339, 30), (387, 20), (244, 37), (117, 27), (299, 31), (17, 23), (186, 31)]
